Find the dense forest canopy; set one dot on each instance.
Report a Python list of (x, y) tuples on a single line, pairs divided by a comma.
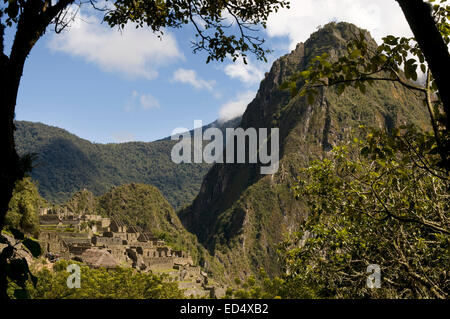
[(65, 164)]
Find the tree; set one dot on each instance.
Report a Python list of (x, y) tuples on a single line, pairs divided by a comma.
[(432, 40), (120, 283), (31, 18), (378, 200), (397, 59), (24, 207), (382, 199)]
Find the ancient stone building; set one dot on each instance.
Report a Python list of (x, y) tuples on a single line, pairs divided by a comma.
[(108, 242), (97, 258), (127, 246)]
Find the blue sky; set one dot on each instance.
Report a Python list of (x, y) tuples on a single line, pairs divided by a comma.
[(107, 86)]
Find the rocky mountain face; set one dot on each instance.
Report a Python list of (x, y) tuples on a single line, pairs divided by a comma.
[(241, 215)]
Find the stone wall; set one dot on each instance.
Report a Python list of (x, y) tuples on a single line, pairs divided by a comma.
[(159, 263), (106, 241), (78, 250), (149, 252), (119, 253), (183, 260), (49, 220), (76, 240), (73, 235), (51, 242)]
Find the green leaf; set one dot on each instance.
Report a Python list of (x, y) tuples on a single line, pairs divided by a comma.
[(356, 53), (33, 246), (340, 89), (34, 280), (12, 9), (18, 271), (423, 68), (17, 233), (7, 252), (410, 69), (21, 294)]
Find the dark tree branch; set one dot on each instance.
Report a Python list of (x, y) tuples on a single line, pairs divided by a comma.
[(419, 17)]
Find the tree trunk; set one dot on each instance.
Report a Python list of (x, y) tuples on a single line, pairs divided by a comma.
[(11, 70), (11, 170), (33, 21), (423, 26)]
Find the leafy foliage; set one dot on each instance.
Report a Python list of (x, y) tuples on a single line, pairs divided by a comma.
[(222, 27), (362, 63), (22, 224), (378, 200), (141, 205), (121, 283), (235, 213), (65, 164), (24, 207), (268, 288)]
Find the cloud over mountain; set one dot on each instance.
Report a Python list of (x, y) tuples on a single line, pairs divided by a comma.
[(381, 17)]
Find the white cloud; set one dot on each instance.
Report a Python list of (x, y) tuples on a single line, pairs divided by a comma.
[(235, 108), (191, 77), (247, 73), (144, 101), (132, 52), (148, 101), (380, 18)]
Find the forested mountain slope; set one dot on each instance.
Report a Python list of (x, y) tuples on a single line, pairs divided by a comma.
[(66, 163)]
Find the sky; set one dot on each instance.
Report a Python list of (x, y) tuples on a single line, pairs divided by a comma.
[(110, 86)]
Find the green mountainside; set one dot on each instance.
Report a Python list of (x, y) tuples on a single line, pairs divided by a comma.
[(66, 163), (241, 215)]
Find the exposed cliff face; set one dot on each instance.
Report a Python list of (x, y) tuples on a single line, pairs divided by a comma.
[(240, 215)]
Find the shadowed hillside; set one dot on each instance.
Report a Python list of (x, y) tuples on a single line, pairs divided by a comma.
[(66, 163)]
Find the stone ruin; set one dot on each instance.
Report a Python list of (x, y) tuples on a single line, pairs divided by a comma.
[(67, 235), (108, 243)]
